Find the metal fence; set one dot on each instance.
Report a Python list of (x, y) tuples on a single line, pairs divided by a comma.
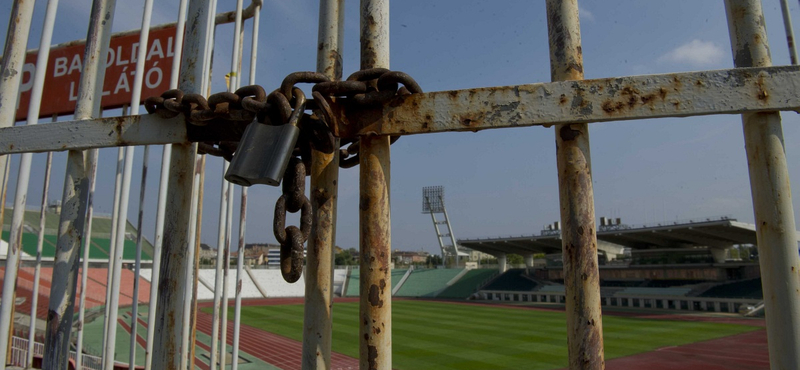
[(20, 348), (367, 110)]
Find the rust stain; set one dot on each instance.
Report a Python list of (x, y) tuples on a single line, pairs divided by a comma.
[(374, 296), (372, 357), (568, 134), (762, 94)]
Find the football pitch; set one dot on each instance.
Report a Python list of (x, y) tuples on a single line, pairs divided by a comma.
[(440, 335)]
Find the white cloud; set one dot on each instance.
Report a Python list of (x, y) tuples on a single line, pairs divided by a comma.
[(696, 53), (585, 14)]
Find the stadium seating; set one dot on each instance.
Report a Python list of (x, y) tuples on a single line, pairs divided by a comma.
[(426, 282), (674, 291), (512, 280), (397, 275), (339, 277), (468, 284), (352, 284), (739, 289), (274, 285), (552, 288)]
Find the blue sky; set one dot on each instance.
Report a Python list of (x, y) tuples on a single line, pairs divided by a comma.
[(497, 182)]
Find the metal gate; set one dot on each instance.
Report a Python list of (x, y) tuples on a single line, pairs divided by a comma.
[(369, 111)]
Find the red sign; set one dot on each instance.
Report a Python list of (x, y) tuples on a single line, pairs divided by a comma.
[(65, 66)]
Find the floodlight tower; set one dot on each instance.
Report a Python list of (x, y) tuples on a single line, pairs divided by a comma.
[(433, 203)]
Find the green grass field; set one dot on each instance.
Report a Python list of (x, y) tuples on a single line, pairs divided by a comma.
[(436, 335)]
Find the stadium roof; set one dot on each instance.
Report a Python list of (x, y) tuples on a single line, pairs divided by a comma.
[(720, 233)]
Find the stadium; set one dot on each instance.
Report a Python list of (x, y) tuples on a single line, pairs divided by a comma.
[(283, 230), (702, 306)]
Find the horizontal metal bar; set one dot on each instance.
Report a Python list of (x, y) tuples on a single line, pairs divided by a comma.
[(96, 133), (729, 91), (601, 100)]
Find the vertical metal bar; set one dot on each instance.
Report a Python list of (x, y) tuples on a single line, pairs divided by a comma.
[(787, 25), (576, 195), (375, 284), (174, 264), (10, 76), (113, 236), (119, 243), (239, 267), (201, 171), (771, 192), (143, 39), (76, 191), (138, 262), (237, 316), (87, 241), (223, 205), (236, 70), (114, 217), (3, 185), (162, 198), (191, 272), (38, 269), (21, 195), (223, 331)]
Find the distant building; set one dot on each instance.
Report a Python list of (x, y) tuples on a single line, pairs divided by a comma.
[(407, 258)]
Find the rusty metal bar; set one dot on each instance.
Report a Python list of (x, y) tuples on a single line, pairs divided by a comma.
[(324, 171), (174, 264), (166, 154), (375, 284), (77, 135), (191, 272), (13, 60), (602, 100), (76, 193), (771, 192), (576, 195), (729, 91)]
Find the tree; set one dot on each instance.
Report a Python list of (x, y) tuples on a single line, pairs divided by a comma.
[(514, 259), (433, 260), (344, 258)]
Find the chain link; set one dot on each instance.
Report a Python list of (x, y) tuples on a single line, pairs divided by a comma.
[(292, 238)]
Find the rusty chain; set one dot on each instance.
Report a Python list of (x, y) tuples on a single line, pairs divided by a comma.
[(231, 112), (292, 238), (218, 122)]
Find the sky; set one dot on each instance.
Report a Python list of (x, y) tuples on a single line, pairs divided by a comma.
[(497, 182)]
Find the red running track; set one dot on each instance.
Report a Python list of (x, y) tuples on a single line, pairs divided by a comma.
[(746, 351)]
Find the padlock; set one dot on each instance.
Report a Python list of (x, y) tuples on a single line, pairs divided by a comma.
[(264, 150), (263, 154)]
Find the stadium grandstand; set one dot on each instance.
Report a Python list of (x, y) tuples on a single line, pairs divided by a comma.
[(636, 280), (101, 234)]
